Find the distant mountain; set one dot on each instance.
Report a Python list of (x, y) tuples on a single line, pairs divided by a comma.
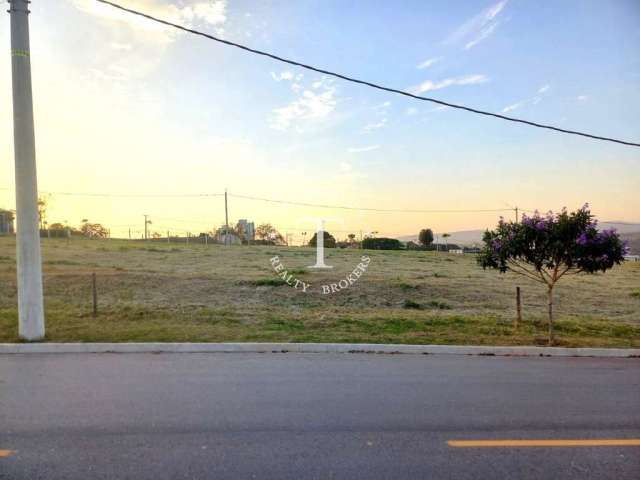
[(627, 230)]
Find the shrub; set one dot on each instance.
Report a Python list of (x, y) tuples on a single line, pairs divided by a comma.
[(381, 243)]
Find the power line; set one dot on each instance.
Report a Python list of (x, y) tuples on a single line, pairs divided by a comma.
[(285, 202), (364, 82), (128, 195), (382, 210)]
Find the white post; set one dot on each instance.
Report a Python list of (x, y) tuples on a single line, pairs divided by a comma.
[(29, 262), (320, 246)]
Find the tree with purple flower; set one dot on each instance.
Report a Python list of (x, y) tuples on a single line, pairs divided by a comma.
[(545, 249)]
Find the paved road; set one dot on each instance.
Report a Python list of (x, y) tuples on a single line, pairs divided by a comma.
[(175, 416)]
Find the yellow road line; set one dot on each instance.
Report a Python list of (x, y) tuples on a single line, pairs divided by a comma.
[(607, 442), (6, 453)]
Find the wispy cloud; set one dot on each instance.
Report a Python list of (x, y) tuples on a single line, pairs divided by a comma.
[(428, 63), (581, 98), (287, 76), (382, 105), (528, 101), (513, 106), (309, 104), (479, 27), (368, 148), (411, 111), (429, 85), (188, 13), (375, 126)]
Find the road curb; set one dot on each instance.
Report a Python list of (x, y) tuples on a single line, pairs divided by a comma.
[(9, 348)]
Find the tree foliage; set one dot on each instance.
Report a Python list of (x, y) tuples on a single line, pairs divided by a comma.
[(381, 243), (268, 233), (546, 248), (425, 237), (93, 230), (329, 240)]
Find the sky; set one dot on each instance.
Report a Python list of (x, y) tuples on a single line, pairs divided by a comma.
[(124, 106)]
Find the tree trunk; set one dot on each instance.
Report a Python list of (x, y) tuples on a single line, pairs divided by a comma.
[(550, 305)]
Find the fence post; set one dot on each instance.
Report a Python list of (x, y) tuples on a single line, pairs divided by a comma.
[(95, 294), (518, 308)]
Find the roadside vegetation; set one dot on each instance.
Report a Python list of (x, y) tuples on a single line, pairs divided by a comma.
[(163, 292)]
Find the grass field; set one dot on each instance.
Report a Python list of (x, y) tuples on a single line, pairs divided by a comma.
[(179, 292)]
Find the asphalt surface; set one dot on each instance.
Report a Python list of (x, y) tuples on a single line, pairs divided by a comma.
[(175, 416)]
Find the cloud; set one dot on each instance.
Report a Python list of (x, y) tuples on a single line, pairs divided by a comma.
[(428, 85), (428, 63), (412, 111), (286, 75), (189, 13), (368, 148), (513, 106), (581, 98), (479, 27), (381, 106), (528, 101), (345, 167), (375, 126), (308, 105)]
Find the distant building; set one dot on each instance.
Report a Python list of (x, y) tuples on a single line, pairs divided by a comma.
[(6, 222), (227, 238), (246, 229)]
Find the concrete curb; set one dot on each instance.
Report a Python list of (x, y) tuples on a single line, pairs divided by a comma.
[(7, 348)]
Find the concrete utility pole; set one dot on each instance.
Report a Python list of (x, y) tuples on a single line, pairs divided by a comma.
[(146, 223), (517, 216), (29, 261), (226, 219)]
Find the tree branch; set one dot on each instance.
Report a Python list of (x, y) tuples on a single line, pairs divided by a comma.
[(525, 272)]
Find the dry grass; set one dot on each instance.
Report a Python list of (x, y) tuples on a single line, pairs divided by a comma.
[(162, 292)]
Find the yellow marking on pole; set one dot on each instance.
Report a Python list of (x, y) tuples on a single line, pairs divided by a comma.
[(606, 442), (6, 453), (20, 53)]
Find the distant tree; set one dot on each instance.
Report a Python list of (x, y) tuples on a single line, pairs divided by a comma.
[(93, 230), (352, 238), (381, 243), (268, 233), (446, 242), (545, 249), (43, 203), (264, 231), (329, 240), (425, 237)]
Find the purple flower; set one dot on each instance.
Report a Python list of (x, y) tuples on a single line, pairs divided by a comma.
[(582, 239), (540, 225)]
